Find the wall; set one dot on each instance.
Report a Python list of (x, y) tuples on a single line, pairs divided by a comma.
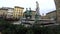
[(18, 12), (55, 15), (57, 2)]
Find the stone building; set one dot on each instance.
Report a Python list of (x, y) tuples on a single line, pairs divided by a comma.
[(18, 12), (55, 15), (3, 12), (10, 13), (57, 2), (6, 12), (14, 13)]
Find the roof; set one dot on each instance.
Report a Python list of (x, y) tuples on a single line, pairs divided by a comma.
[(51, 12), (33, 11), (5, 8), (19, 7), (44, 17)]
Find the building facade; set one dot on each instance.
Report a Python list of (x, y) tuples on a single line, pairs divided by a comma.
[(57, 12), (7, 12), (55, 15), (10, 13), (18, 12), (51, 14), (57, 2), (33, 14), (3, 12)]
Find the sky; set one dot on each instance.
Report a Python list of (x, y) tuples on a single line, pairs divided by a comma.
[(44, 5)]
